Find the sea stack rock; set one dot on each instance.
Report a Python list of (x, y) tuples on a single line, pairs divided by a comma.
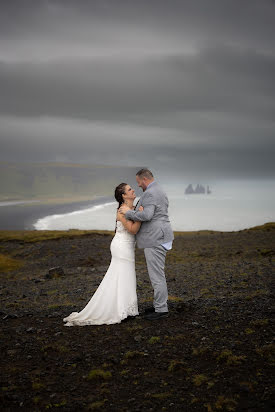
[(199, 189), (189, 190)]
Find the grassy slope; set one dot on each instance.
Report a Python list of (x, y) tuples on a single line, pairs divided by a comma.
[(39, 235), (59, 180)]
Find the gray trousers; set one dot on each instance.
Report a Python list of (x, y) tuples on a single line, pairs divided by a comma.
[(155, 259)]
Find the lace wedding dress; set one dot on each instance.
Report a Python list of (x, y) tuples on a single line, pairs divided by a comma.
[(115, 297)]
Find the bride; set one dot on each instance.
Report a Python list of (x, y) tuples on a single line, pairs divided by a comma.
[(115, 299)]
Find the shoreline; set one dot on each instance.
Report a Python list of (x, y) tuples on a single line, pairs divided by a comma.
[(23, 216)]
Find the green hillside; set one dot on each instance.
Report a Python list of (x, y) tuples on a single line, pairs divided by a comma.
[(60, 180)]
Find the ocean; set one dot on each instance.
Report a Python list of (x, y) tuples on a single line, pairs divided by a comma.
[(231, 206)]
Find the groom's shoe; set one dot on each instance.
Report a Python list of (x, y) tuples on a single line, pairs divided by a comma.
[(156, 315), (151, 309)]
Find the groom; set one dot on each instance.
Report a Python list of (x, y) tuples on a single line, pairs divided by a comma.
[(155, 236)]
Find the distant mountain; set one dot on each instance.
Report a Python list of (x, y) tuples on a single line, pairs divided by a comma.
[(59, 180), (199, 189)]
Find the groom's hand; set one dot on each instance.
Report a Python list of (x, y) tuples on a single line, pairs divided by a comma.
[(141, 208)]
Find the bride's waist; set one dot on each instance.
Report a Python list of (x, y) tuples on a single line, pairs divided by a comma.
[(125, 238)]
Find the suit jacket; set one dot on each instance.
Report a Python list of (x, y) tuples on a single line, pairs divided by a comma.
[(156, 227)]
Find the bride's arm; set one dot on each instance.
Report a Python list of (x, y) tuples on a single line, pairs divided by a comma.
[(132, 227)]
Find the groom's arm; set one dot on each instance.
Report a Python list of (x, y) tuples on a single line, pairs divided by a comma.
[(143, 216), (146, 214)]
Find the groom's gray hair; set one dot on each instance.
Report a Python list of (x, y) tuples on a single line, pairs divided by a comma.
[(145, 173)]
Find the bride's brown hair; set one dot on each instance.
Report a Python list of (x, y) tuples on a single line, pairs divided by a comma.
[(119, 191)]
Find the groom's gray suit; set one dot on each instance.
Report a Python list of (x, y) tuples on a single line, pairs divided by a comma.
[(154, 232)]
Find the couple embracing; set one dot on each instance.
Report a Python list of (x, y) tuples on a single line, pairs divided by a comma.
[(148, 226)]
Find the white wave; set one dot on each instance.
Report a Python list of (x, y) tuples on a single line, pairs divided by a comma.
[(17, 202), (66, 221)]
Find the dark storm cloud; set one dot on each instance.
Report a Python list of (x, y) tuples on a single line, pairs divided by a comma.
[(150, 82)]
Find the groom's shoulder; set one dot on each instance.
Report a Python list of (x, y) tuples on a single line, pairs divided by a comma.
[(155, 187), (154, 190), (158, 190)]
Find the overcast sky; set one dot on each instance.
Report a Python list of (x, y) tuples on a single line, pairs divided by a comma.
[(184, 87)]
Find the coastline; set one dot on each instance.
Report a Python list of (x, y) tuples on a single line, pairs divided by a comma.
[(23, 216)]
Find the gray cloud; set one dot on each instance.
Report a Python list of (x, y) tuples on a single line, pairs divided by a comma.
[(187, 83)]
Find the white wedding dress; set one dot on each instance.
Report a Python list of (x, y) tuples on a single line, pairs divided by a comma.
[(115, 297)]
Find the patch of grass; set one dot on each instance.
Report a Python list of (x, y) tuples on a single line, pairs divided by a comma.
[(56, 405), (38, 385), (248, 385), (163, 395), (54, 346), (267, 226), (267, 352), (208, 406), (32, 236), (248, 331), (134, 328), (13, 304), (199, 379), (8, 263), (124, 372), (52, 292), (204, 291), (175, 299), (225, 404), (145, 300), (258, 292), (133, 354), (259, 322), (97, 405), (154, 339), (99, 373), (199, 351), (212, 308), (176, 365), (266, 252), (230, 359), (9, 388), (242, 285), (55, 306)]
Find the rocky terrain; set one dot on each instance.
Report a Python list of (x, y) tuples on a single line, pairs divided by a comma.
[(215, 351)]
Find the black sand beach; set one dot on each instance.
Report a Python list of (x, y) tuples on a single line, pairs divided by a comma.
[(23, 216)]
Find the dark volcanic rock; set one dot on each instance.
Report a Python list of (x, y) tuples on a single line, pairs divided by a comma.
[(214, 352), (55, 272)]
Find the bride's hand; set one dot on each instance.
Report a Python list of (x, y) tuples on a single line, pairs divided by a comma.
[(141, 208), (123, 209)]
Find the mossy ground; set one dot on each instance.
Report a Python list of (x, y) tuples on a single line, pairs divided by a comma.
[(215, 351)]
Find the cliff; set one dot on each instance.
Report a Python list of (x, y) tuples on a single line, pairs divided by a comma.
[(43, 180)]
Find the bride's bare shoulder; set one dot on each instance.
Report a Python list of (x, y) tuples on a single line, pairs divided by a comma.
[(118, 216)]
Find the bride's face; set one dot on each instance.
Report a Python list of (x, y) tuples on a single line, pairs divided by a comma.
[(129, 193)]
